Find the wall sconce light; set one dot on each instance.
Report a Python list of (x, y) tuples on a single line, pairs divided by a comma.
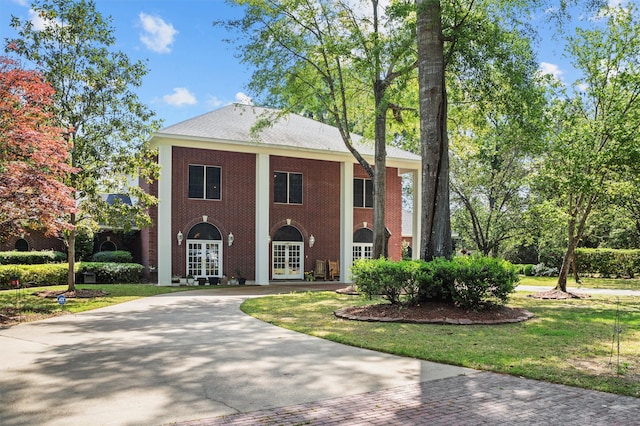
[(312, 240), (268, 238), (230, 239), (179, 237)]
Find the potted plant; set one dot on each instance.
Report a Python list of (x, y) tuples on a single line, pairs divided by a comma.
[(241, 280), (190, 279)]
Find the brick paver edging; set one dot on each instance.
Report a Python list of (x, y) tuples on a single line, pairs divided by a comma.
[(481, 398), (344, 314)]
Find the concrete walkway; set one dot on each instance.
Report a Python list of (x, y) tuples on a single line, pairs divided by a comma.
[(193, 357)]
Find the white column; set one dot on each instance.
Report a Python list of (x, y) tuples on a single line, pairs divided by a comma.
[(346, 221), (166, 239), (263, 178), (417, 213)]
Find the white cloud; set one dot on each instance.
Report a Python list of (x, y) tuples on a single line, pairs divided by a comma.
[(21, 2), (180, 97), (158, 35), (553, 69), (243, 99), (214, 102), (39, 23)]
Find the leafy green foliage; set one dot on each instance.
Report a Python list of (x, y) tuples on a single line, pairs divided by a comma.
[(482, 282), (609, 262), (56, 273), (31, 257), (108, 127), (109, 273), (118, 256), (48, 274), (469, 282)]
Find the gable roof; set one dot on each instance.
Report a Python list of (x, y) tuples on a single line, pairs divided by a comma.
[(234, 124)]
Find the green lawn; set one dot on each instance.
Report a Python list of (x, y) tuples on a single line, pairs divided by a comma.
[(569, 341), (31, 307), (610, 283)]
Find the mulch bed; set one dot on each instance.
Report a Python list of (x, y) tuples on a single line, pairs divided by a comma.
[(434, 313), (78, 293), (9, 315), (557, 295)]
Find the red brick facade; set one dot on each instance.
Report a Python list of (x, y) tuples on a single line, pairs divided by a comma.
[(318, 215)]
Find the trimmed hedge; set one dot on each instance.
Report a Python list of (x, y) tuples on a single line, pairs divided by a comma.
[(118, 256), (56, 274), (31, 257), (469, 282), (608, 262), (111, 273)]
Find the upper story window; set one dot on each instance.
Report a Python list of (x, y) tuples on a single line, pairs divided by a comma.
[(205, 182), (287, 188), (362, 192)]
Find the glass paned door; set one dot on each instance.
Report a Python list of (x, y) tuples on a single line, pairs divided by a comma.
[(287, 260), (362, 251), (204, 258)]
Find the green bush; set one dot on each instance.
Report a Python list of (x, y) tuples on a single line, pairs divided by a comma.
[(380, 277), (469, 282), (436, 280), (482, 282), (118, 256), (111, 273), (31, 257), (49, 274), (56, 274), (608, 262)]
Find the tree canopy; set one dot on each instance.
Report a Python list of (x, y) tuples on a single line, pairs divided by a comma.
[(109, 126), (33, 155)]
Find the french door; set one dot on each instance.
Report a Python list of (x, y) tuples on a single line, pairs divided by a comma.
[(287, 260), (204, 258), (362, 251)]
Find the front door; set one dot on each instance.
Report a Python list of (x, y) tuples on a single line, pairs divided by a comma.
[(204, 258), (287, 260)]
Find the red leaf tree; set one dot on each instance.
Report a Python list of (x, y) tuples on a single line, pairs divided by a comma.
[(34, 155)]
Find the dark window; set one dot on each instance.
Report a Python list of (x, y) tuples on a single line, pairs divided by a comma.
[(362, 192), (22, 245), (287, 188), (204, 182)]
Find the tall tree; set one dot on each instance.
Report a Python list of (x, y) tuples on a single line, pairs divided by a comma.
[(594, 137), (109, 126), (33, 155), (497, 124), (332, 58)]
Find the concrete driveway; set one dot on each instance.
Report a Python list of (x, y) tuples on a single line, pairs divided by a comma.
[(178, 357)]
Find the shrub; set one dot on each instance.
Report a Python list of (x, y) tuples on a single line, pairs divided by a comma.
[(31, 257), (111, 273), (540, 270), (49, 274), (379, 277), (470, 282), (482, 282), (118, 256), (436, 280), (608, 262)]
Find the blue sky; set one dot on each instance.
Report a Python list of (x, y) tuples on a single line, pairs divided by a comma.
[(192, 70)]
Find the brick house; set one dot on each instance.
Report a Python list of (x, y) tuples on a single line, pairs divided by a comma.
[(264, 205)]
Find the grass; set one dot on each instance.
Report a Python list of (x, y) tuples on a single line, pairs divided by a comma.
[(606, 283), (32, 307), (572, 342)]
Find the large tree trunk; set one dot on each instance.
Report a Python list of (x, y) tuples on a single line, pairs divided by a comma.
[(380, 175), (435, 239), (577, 223)]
